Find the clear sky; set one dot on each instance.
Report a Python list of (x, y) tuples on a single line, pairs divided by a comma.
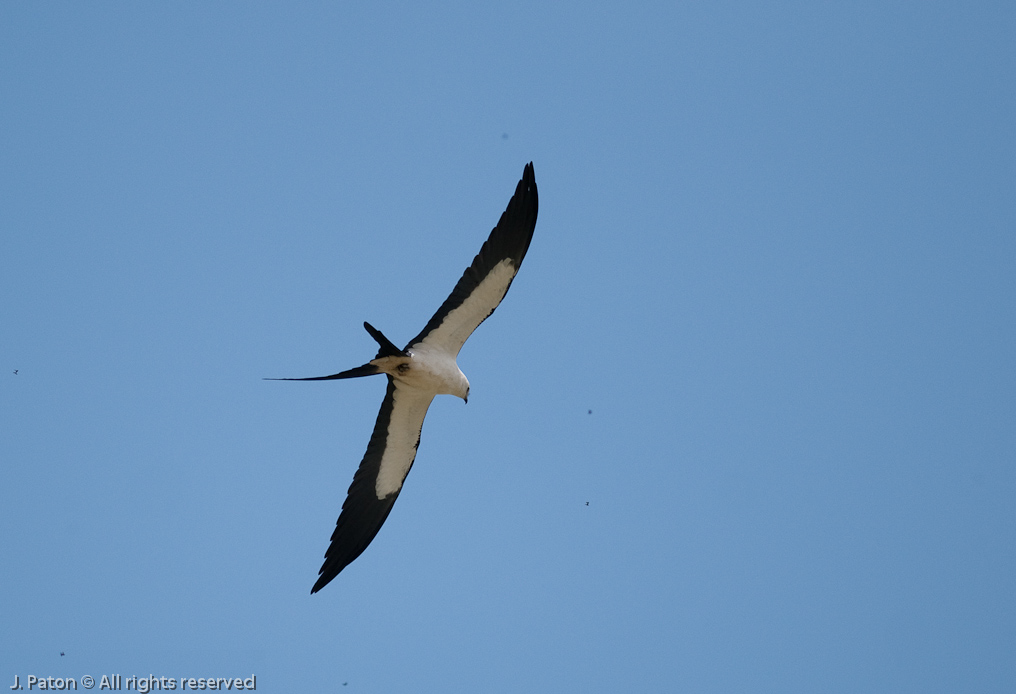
[(745, 422)]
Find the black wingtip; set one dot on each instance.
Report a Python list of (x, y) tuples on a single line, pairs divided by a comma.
[(521, 214), (528, 182), (322, 581)]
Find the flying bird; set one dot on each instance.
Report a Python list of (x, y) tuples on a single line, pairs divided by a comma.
[(424, 368)]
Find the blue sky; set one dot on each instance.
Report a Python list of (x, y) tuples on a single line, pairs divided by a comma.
[(775, 259)]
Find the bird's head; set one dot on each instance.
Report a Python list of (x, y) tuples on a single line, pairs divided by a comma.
[(463, 388)]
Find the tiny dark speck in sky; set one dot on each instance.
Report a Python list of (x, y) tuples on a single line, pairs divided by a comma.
[(504, 136)]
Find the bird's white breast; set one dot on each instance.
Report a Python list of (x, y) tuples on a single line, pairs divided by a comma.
[(434, 370)]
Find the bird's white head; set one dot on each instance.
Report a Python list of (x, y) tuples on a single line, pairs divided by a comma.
[(463, 391)]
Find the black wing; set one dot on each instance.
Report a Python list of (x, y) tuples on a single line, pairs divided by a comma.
[(378, 480), (486, 281)]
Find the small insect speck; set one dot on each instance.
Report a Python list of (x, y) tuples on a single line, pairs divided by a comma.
[(590, 411), (61, 652), (504, 136)]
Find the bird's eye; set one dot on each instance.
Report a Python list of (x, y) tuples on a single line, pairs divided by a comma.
[(403, 368)]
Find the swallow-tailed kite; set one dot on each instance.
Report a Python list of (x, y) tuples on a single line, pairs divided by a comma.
[(425, 368)]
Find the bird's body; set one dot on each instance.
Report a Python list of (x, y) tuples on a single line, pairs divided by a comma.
[(425, 368)]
